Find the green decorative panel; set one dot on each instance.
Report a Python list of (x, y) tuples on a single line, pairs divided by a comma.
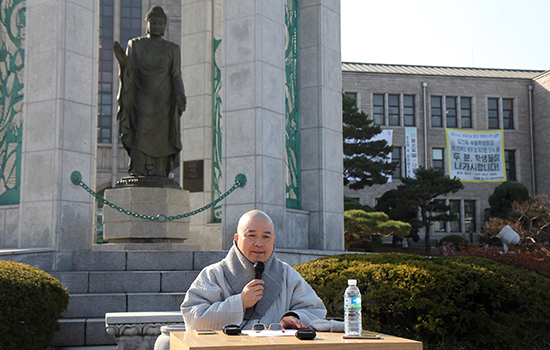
[(217, 130), (292, 134), (12, 55)]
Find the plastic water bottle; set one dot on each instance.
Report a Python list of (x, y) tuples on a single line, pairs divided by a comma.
[(352, 309)]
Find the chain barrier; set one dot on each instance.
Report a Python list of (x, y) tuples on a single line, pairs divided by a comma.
[(76, 179)]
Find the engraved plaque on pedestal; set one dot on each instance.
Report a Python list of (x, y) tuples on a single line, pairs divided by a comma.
[(193, 175)]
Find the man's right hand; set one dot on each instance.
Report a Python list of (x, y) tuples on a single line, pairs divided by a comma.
[(252, 293)]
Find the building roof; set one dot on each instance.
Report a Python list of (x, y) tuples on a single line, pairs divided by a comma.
[(440, 71)]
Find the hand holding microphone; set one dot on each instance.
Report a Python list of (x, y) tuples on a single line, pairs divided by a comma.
[(254, 290), (258, 270)]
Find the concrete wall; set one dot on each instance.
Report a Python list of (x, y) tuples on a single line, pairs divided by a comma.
[(541, 111), (321, 122), (202, 20), (59, 124), (254, 110)]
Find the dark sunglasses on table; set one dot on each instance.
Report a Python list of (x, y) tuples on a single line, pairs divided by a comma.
[(258, 327)]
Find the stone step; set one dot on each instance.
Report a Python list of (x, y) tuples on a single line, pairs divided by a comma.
[(137, 260), (80, 282), (82, 332), (96, 305)]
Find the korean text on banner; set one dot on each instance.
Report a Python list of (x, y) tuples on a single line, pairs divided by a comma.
[(476, 156), (411, 151)]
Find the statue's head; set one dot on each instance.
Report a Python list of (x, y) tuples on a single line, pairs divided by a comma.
[(156, 21)]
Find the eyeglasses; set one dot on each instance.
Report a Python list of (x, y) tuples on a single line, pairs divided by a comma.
[(258, 327)]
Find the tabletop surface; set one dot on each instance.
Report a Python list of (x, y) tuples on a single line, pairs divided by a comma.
[(323, 341)]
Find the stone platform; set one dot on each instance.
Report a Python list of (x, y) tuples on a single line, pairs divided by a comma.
[(132, 232)]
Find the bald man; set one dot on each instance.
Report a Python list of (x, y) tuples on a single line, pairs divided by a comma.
[(228, 293)]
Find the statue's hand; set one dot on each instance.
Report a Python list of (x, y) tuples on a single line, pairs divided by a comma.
[(182, 102), (119, 53)]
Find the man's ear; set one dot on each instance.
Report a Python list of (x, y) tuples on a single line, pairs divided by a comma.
[(236, 237)]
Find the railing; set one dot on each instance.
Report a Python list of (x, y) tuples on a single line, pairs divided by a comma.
[(76, 179)]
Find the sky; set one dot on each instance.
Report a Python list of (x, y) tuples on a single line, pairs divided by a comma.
[(452, 33)]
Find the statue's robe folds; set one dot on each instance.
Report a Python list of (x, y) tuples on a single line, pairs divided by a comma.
[(151, 99)]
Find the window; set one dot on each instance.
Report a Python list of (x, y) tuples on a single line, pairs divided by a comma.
[(387, 109), (494, 107), (466, 112), (436, 111), (469, 216), (466, 222), (439, 226), (454, 107), (393, 110), (455, 208), (378, 109), (437, 158), (507, 113), (105, 83), (492, 104), (450, 112), (354, 96), (130, 20), (510, 164), (396, 157), (408, 110), (351, 94), (130, 27)]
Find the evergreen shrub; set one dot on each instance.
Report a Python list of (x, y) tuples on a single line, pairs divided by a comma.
[(471, 301), (31, 302), (500, 202)]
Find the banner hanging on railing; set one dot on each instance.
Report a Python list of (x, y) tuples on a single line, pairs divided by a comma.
[(476, 156)]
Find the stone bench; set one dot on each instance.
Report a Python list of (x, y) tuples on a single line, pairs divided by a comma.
[(139, 330)]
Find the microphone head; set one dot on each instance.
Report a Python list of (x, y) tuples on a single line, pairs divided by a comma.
[(258, 270)]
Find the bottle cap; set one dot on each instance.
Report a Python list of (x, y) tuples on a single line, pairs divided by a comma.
[(352, 282)]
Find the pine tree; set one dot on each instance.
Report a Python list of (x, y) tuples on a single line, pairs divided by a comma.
[(392, 204), (421, 192), (364, 161)]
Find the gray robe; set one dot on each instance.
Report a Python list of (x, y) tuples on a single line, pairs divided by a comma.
[(212, 303)]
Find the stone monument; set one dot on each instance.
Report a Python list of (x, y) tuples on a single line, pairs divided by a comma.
[(151, 100)]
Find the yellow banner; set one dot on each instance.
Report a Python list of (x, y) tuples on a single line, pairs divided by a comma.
[(476, 156)]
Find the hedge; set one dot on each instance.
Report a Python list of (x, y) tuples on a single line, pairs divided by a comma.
[(31, 302), (471, 301)]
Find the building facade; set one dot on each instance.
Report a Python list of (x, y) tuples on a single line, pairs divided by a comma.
[(425, 101)]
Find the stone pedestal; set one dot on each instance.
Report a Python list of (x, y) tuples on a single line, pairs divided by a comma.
[(140, 330), (135, 233)]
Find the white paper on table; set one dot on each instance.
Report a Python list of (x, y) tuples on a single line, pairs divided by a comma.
[(269, 333)]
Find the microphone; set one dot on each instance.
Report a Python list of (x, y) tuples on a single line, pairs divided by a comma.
[(258, 270)]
